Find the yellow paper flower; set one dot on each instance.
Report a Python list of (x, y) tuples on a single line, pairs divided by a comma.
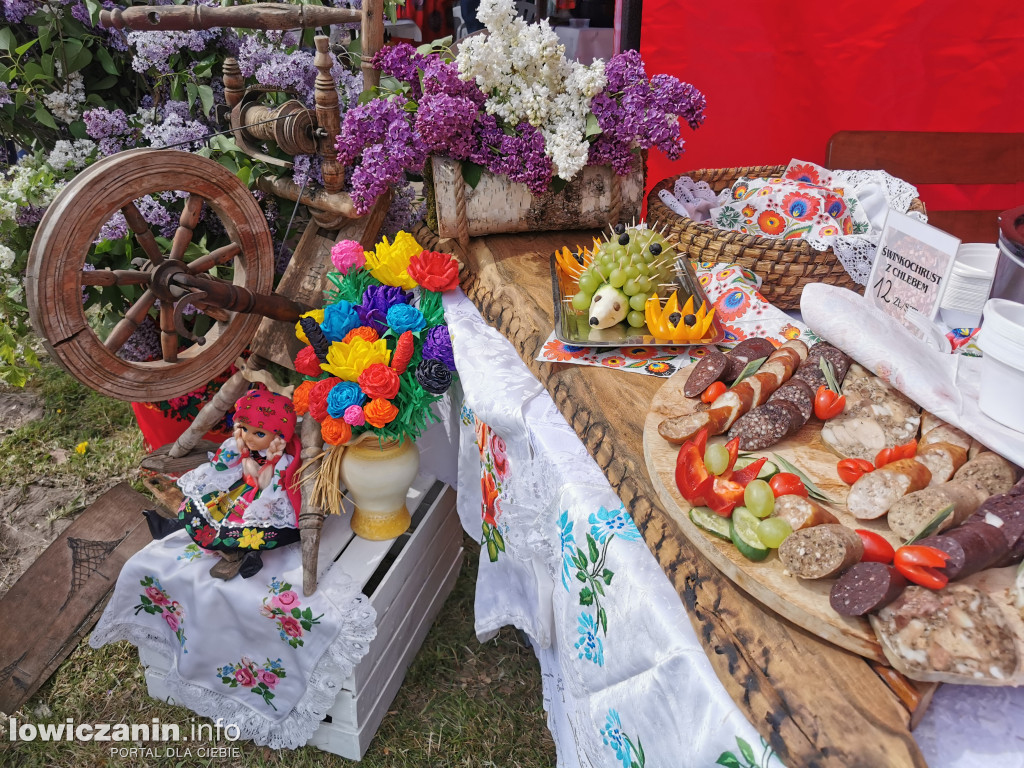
[(347, 360), (251, 538), (316, 314), (82, 447), (389, 262)]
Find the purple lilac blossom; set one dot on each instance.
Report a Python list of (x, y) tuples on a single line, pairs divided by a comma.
[(407, 208), (143, 344), (189, 135), (445, 124), (5, 92), (401, 62), (29, 215), (437, 345), (114, 228), (16, 10), (307, 169), (154, 49)]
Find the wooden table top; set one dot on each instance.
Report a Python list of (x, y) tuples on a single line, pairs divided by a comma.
[(816, 705)]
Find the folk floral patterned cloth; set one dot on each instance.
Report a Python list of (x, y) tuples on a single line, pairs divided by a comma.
[(744, 312), (255, 652), (626, 682)]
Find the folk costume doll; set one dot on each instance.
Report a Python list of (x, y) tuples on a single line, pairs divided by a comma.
[(243, 500)]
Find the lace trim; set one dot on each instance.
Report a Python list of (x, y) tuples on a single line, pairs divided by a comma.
[(358, 628)]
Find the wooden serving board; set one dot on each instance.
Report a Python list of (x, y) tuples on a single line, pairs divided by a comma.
[(804, 602)]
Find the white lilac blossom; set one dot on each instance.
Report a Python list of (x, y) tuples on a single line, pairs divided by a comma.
[(6, 257), (524, 70), (66, 105), (71, 155)]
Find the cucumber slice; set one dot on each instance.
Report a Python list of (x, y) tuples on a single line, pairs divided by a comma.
[(768, 471), (708, 521), (743, 532)]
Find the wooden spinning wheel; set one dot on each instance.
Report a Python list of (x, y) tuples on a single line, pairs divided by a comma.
[(60, 253)]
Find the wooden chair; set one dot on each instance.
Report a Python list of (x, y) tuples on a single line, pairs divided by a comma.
[(924, 157)]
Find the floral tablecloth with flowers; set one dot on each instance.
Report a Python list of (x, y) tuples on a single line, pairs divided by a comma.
[(626, 681), (255, 652)]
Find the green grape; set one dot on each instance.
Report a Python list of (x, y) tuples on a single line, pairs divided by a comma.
[(590, 281), (772, 531), (644, 268), (635, 318), (716, 458), (631, 288), (614, 251), (624, 262), (758, 498), (632, 272), (581, 301), (617, 278), (644, 283), (638, 301)]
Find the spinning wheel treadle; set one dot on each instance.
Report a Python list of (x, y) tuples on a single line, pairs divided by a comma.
[(56, 274)]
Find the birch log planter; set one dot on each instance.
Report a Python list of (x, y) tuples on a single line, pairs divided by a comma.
[(595, 198)]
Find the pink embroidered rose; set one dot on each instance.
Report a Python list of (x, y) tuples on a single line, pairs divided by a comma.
[(291, 626), (499, 455), (347, 254), (158, 597), (267, 611), (268, 678), (245, 678), (285, 600), (172, 621)]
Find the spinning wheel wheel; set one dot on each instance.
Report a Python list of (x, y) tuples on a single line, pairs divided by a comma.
[(64, 245)]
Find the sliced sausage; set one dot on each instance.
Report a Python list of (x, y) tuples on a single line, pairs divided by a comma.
[(989, 471), (801, 512), (747, 350), (911, 513), (866, 587), (971, 548), (1005, 513), (821, 551), (875, 492), (767, 425), (707, 371), (800, 394), (942, 459)]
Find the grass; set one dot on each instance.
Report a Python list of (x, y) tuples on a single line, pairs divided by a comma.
[(463, 703)]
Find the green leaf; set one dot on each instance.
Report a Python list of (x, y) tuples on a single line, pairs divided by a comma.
[(103, 84), (492, 551), (106, 61), (593, 127), (472, 173), (78, 130), (581, 576), (749, 369), (606, 575), (25, 46), (830, 374), (586, 596), (932, 526), (191, 94), (43, 116), (595, 552), (602, 620), (812, 490), (366, 97), (745, 749), (80, 60), (206, 98), (499, 540), (7, 39), (728, 759)]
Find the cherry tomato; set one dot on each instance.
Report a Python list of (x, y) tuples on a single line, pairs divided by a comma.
[(827, 403), (785, 483), (905, 451), (851, 470), (920, 565), (712, 392), (883, 457), (876, 548)]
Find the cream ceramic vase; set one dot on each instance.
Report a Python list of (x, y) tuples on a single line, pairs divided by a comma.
[(377, 478)]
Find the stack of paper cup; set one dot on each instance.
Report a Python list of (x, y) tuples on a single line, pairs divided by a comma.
[(969, 284)]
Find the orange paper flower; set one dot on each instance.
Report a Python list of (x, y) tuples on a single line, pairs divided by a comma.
[(434, 271), (300, 397), (318, 397), (379, 412), (335, 431), (379, 382), (363, 332)]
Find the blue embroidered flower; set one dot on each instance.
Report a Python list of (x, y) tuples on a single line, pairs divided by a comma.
[(568, 547), (341, 396), (589, 645), (607, 523), (613, 736), (339, 319), (190, 553), (467, 415), (402, 318)]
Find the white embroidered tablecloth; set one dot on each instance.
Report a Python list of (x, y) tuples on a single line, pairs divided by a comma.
[(254, 652), (626, 681)]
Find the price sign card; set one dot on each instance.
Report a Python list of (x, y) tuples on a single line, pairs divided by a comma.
[(912, 266)]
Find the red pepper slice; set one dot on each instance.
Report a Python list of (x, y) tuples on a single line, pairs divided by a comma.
[(690, 472), (851, 470), (919, 564), (711, 394), (827, 403), (724, 496), (701, 441), (876, 548), (733, 447), (748, 473)]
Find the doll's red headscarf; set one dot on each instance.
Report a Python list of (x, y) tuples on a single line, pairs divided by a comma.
[(264, 410)]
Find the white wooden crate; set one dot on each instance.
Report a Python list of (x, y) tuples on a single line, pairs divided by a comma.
[(407, 581)]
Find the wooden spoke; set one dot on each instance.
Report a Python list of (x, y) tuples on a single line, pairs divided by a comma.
[(141, 229), (127, 325), (168, 336), (114, 277), (190, 214), (218, 314), (215, 258)]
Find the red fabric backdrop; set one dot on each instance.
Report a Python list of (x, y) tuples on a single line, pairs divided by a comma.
[(781, 76)]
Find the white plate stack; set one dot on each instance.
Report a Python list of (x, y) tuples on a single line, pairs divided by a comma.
[(969, 285)]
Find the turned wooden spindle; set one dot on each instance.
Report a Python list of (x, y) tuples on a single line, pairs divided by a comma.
[(328, 115), (373, 41), (311, 517), (234, 83), (255, 16)]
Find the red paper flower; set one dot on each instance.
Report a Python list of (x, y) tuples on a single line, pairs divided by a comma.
[(318, 397), (434, 271), (307, 363), (379, 382)]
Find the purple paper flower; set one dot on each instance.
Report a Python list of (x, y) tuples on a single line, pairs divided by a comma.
[(377, 300), (437, 345)]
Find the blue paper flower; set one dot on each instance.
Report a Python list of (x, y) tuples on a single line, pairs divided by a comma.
[(339, 319), (402, 318), (341, 396)]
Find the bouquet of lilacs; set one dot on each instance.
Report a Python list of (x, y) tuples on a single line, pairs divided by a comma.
[(510, 103)]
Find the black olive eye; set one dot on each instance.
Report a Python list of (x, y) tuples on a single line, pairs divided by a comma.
[(690, 320), (623, 239), (654, 248), (674, 318), (620, 228)]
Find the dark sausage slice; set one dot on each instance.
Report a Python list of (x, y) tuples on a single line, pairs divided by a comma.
[(747, 350), (866, 587), (839, 359), (1005, 513), (706, 372), (767, 425), (798, 393), (971, 548)]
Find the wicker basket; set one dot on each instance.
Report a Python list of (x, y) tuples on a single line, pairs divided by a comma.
[(784, 266)]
